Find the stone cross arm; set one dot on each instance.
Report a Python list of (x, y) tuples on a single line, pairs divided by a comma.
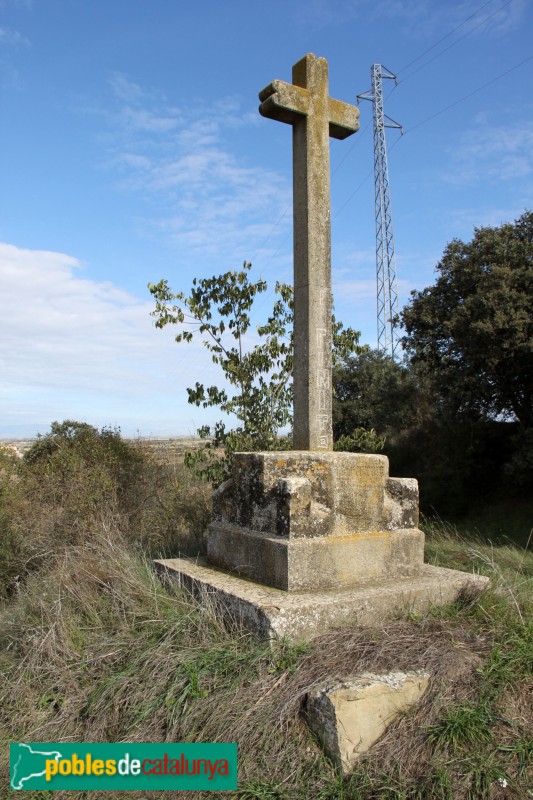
[(287, 102)]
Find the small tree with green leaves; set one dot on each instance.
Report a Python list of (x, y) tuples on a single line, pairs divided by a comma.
[(257, 365)]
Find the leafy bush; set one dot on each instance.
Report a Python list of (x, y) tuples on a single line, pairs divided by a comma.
[(9, 544), (75, 482), (360, 441), (84, 468)]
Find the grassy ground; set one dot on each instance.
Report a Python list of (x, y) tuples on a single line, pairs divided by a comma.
[(94, 648), (507, 521)]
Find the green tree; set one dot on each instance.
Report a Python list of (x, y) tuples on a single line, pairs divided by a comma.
[(256, 365), (373, 391), (457, 412), (470, 337), (472, 332)]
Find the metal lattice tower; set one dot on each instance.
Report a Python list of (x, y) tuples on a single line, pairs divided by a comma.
[(387, 284)]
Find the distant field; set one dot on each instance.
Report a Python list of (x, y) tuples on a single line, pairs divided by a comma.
[(18, 445), (168, 450), (171, 447)]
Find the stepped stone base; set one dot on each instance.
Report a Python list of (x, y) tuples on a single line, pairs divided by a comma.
[(299, 616), (301, 542), (303, 521), (322, 562)]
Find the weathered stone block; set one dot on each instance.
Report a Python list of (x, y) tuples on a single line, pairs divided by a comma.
[(306, 564), (304, 494), (358, 491), (400, 508), (294, 506), (350, 716), (303, 521)]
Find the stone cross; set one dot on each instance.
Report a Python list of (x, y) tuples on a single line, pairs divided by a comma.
[(314, 116)]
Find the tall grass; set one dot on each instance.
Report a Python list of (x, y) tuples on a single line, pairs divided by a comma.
[(509, 566), (94, 648)]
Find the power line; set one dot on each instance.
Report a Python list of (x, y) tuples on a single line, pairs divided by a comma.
[(409, 130), (443, 111), (356, 141), (442, 39), (460, 39), (350, 198), (413, 61), (429, 49), (470, 94), (272, 230), (362, 132)]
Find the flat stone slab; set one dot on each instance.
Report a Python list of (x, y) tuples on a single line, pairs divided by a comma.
[(299, 616)]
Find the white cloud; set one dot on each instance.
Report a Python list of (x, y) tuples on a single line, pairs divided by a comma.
[(492, 153), (71, 346), (199, 192), (426, 18), (354, 260), (125, 89), (143, 120), (10, 41), (357, 292), (464, 220), (12, 38), (320, 13)]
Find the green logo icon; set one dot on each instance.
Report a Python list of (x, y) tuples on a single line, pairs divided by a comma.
[(122, 766)]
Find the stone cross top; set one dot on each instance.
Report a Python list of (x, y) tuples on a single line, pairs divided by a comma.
[(314, 116)]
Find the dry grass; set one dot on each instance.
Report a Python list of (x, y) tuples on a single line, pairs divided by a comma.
[(509, 567), (64, 501), (94, 648)]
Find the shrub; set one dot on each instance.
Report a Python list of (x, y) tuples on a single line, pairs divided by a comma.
[(77, 481)]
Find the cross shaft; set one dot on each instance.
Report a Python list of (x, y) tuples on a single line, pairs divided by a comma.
[(314, 116)]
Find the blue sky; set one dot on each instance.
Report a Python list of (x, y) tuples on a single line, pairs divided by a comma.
[(131, 150)]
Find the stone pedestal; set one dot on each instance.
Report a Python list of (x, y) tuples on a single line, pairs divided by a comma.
[(304, 521), (301, 541)]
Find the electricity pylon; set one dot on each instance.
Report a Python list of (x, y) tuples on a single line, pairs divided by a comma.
[(387, 284)]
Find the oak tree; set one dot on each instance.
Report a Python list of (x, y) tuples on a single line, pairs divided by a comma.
[(472, 331)]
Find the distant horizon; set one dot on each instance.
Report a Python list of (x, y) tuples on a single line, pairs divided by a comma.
[(43, 430)]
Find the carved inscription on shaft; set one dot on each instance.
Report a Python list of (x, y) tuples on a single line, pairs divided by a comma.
[(323, 389)]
